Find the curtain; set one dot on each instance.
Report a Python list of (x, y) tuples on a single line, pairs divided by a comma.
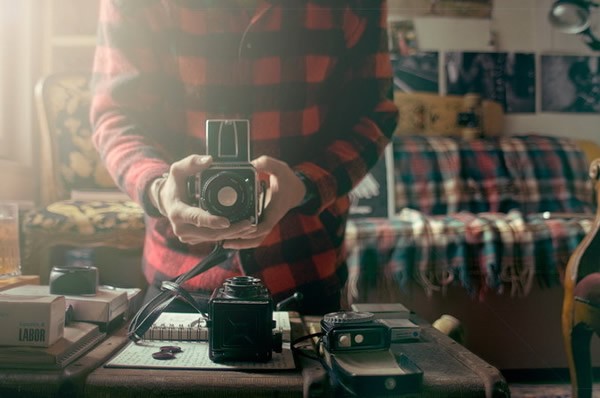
[(19, 65)]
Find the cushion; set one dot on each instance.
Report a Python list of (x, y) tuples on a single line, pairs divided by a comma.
[(86, 217), (433, 114)]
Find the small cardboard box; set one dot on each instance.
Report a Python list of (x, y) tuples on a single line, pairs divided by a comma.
[(31, 320), (104, 307)]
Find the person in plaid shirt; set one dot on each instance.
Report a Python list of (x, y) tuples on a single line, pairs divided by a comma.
[(311, 76)]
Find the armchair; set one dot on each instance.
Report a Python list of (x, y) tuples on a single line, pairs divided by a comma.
[(68, 161), (581, 303)]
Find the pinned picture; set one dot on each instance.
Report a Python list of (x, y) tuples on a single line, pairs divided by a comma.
[(417, 72), (507, 78), (570, 84), (443, 8), (403, 37)]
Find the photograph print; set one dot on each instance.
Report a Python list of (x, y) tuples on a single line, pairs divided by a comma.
[(417, 72), (507, 78), (443, 8), (570, 84), (402, 37)]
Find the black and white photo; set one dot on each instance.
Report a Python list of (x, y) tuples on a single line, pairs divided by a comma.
[(416, 73), (570, 84), (505, 77)]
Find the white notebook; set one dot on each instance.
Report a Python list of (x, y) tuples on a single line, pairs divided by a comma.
[(176, 326)]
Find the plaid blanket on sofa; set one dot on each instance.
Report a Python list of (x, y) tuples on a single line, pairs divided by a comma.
[(494, 214)]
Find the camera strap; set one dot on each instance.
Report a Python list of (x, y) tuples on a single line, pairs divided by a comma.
[(171, 290)]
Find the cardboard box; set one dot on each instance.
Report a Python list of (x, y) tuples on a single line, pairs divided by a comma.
[(106, 306), (31, 320)]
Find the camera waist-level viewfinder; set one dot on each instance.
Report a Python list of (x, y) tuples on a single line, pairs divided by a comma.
[(229, 188)]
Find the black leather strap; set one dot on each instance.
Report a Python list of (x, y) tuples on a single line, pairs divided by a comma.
[(170, 290)]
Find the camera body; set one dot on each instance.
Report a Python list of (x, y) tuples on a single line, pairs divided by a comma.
[(229, 187), (240, 324), (357, 352)]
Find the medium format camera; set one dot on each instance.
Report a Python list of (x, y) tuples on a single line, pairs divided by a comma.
[(356, 350), (229, 187), (240, 322)]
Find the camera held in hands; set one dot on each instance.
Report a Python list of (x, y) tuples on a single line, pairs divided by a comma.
[(240, 322), (229, 187)]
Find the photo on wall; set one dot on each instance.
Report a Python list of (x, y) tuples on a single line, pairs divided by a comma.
[(505, 77), (570, 83), (444, 8), (402, 37), (417, 72)]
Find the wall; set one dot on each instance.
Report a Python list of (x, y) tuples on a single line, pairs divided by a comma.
[(516, 25)]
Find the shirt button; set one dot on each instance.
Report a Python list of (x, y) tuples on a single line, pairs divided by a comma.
[(248, 45)]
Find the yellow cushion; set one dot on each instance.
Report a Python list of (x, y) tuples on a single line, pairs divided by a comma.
[(432, 114), (86, 217)]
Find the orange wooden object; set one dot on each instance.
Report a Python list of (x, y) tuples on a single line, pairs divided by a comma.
[(581, 319)]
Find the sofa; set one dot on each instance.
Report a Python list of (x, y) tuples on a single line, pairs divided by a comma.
[(482, 231)]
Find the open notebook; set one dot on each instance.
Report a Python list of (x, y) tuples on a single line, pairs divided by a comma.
[(189, 332), (175, 326)]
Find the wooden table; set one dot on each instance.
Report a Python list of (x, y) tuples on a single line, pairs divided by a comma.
[(62, 383), (309, 378), (450, 370)]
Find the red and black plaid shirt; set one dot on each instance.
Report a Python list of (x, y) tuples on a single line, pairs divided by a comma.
[(312, 76)]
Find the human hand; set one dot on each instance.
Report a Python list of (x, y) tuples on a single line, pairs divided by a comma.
[(286, 193), (191, 224)]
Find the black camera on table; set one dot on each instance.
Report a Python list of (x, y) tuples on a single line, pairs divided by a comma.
[(357, 352), (229, 187), (240, 322)]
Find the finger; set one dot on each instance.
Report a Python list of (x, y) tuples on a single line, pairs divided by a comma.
[(267, 164), (235, 231), (239, 244), (190, 165), (199, 218)]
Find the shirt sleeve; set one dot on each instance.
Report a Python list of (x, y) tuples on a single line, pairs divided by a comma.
[(363, 117), (125, 112)]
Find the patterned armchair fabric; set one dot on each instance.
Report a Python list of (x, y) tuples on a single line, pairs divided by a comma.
[(495, 214), (68, 161)]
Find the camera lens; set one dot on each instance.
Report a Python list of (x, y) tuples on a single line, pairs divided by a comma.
[(243, 287), (228, 194)]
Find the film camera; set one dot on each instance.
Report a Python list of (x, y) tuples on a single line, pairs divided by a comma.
[(240, 322), (229, 188), (356, 351)]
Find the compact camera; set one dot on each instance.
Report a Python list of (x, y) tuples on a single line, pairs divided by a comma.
[(240, 322), (356, 351), (229, 187)]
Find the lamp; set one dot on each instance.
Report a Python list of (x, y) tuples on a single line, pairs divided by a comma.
[(573, 17)]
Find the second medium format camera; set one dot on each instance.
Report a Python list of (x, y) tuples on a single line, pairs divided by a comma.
[(240, 322), (229, 187), (357, 353)]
